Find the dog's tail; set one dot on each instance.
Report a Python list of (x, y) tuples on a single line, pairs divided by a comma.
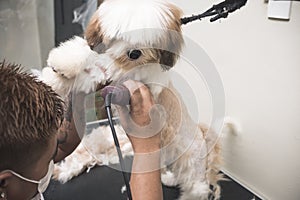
[(231, 125)]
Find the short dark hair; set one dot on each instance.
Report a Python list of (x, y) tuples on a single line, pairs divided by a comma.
[(30, 115)]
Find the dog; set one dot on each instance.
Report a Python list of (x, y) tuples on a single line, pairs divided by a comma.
[(140, 40)]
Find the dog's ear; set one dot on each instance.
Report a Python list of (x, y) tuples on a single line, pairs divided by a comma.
[(172, 46), (167, 59), (100, 2), (173, 41), (174, 22), (93, 33)]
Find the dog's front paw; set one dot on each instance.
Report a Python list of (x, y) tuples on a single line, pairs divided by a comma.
[(194, 191), (75, 66), (60, 85), (168, 179), (70, 57)]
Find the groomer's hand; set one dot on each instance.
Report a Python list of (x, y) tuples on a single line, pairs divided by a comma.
[(141, 122), (142, 126)]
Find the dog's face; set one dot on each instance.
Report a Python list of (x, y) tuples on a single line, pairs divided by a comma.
[(132, 33)]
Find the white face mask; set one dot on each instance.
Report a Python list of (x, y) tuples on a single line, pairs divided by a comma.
[(42, 184), (38, 196)]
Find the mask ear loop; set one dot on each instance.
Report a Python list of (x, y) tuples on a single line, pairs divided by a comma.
[(21, 177)]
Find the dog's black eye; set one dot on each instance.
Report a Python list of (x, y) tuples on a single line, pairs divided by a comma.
[(134, 54)]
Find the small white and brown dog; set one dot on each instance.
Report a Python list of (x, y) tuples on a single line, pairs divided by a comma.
[(142, 40)]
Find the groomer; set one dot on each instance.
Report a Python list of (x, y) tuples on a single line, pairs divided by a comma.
[(32, 137)]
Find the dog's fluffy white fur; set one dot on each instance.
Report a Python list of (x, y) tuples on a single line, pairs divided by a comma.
[(71, 58), (190, 155), (140, 15)]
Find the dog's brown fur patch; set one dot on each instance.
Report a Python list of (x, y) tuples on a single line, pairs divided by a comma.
[(93, 33), (173, 41), (167, 98)]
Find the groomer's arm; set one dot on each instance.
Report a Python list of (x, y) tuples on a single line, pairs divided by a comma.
[(72, 126), (145, 182)]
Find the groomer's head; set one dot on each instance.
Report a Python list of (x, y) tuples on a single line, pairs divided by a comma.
[(30, 115)]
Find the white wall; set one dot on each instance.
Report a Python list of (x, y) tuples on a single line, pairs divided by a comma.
[(259, 62)]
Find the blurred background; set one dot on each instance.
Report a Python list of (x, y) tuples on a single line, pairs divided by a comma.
[(257, 57)]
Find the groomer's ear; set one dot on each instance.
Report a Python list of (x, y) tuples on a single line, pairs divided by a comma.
[(4, 176)]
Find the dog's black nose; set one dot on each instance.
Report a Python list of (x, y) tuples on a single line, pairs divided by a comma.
[(134, 54)]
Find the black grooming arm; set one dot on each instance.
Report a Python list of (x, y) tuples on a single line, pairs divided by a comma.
[(218, 11)]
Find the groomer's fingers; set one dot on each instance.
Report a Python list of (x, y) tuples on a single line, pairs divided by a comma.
[(141, 102), (137, 88), (132, 85), (127, 117), (124, 117), (136, 98), (141, 98)]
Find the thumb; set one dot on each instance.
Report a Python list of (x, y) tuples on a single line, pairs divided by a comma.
[(124, 115)]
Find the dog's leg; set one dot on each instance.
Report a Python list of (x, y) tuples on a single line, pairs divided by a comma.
[(168, 178), (190, 169), (184, 148), (213, 160)]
